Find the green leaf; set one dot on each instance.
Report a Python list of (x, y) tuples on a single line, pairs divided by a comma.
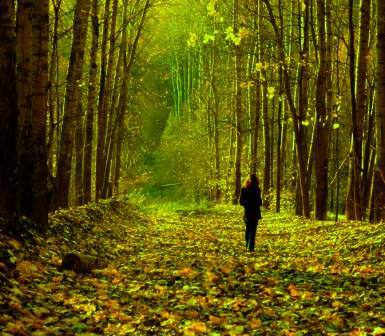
[(270, 92), (208, 38), (79, 327)]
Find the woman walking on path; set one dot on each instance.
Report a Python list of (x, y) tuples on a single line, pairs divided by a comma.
[(250, 199)]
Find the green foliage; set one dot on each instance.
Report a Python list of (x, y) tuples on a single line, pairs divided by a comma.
[(182, 163)]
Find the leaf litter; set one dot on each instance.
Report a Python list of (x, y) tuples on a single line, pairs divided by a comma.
[(187, 273)]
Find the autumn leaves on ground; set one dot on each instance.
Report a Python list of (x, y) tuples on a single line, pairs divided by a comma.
[(187, 273)]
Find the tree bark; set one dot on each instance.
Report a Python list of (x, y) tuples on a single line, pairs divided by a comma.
[(74, 77), (267, 145), (40, 39), (379, 179), (107, 105), (322, 120), (102, 118), (8, 115), (79, 147), (91, 104), (238, 109), (355, 208), (25, 12)]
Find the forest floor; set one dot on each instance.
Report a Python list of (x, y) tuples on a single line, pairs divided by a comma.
[(187, 273)]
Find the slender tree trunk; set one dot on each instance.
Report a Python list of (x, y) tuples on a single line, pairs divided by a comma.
[(355, 208), (91, 105), (74, 76), (280, 122), (118, 153), (102, 117), (215, 97), (322, 120), (8, 115), (107, 105), (238, 110), (267, 145), (379, 179), (79, 147), (369, 152), (279, 148), (53, 106)]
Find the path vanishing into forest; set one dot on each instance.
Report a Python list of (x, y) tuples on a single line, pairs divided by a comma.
[(187, 273)]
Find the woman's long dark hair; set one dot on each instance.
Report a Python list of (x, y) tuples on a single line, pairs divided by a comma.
[(252, 182)]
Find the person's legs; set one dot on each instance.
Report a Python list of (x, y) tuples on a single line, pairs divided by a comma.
[(247, 233), (253, 229)]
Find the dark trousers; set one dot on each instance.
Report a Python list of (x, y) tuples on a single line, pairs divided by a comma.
[(251, 228)]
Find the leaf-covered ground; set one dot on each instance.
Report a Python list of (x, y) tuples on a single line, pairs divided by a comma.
[(187, 273)]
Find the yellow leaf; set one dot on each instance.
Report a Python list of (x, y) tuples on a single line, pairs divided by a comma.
[(188, 272), (15, 244), (294, 291), (197, 326), (255, 323), (215, 320)]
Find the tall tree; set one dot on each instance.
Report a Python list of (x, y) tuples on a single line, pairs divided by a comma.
[(91, 104), (322, 120), (267, 143), (39, 175), (355, 208), (238, 104), (74, 77), (32, 88), (24, 24), (379, 181), (102, 117), (107, 105), (8, 114)]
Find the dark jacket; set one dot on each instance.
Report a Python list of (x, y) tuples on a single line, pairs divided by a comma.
[(251, 200)]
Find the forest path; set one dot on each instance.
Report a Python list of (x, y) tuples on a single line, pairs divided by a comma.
[(188, 273)]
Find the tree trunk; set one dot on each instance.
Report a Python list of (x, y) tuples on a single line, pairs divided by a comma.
[(279, 148), (53, 105), (108, 110), (8, 115), (79, 147), (40, 38), (322, 121), (355, 208), (102, 118), (267, 145), (379, 179), (25, 12), (74, 77), (238, 110), (91, 104), (280, 122)]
